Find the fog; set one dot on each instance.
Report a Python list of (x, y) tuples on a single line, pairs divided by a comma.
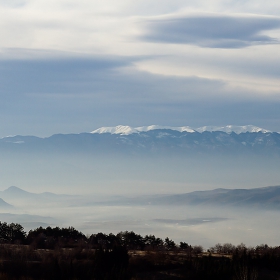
[(101, 187), (128, 175), (197, 226)]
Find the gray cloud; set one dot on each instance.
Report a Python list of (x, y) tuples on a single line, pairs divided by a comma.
[(101, 78), (213, 31), (44, 97)]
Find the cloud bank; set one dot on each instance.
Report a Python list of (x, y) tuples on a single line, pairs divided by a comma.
[(213, 31), (76, 95)]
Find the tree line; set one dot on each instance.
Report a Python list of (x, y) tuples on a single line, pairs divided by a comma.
[(66, 253), (50, 237)]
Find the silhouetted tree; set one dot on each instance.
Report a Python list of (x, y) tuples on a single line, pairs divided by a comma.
[(169, 244), (10, 233)]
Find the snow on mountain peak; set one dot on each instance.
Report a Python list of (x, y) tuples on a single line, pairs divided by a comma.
[(126, 130), (120, 129), (232, 128), (153, 127)]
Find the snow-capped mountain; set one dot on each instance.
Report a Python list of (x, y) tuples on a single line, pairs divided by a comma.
[(126, 130), (152, 140), (233, 128)]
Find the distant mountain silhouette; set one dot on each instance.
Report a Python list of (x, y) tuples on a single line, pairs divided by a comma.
[(15, 191), (18, 196), (18, 192), (150, 142), (5, 205), (265, 198)]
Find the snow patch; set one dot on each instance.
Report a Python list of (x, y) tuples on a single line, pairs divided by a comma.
[(126, 130), (120, 129), (232, 128), (18, 142)]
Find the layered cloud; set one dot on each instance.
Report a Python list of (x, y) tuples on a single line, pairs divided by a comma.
[(213, 31), (74, 95), (75, 66)]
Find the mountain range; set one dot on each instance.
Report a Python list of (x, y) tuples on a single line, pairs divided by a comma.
[(126, 130), (17, 197), (261, 198), (152, 140)]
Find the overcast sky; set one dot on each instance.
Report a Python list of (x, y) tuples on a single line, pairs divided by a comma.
[(73, 66)]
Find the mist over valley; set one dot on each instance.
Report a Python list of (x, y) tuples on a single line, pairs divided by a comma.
[(151, 182)]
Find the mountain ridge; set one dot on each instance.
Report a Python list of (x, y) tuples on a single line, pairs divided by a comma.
[(126, 130), (151, 140), (266, 198), (13, 190)]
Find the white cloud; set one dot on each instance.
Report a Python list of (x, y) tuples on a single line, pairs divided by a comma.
[(97, 26), (255, 69)]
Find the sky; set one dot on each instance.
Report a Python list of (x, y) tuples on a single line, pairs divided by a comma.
[(74, 66)]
